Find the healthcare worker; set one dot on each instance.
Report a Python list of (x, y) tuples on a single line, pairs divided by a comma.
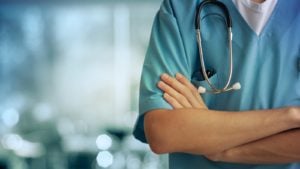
[(256, 127)]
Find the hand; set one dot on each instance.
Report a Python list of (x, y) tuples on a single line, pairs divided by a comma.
[(179, 92)]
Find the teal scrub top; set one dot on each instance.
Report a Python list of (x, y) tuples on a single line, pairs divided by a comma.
[(266, 65)]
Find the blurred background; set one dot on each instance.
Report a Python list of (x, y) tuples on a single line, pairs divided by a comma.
[(69, 79)]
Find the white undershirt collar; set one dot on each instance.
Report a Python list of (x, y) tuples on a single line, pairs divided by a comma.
[(255, 14)]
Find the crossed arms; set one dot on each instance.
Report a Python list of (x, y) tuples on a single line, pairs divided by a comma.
[(257, 137)]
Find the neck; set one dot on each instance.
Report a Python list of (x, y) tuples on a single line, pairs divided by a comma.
[(258, 1)]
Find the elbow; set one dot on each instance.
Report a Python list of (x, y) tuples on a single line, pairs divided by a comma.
[(163, 136), (157, 148), (155, 133)]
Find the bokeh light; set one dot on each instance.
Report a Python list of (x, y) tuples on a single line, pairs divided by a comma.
[(103, 142), (105, 159), (10, 117)]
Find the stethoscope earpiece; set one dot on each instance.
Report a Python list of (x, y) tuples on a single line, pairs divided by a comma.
[(201, 89), (235, 86)]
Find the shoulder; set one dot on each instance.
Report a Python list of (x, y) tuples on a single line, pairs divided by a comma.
[(178, 7)]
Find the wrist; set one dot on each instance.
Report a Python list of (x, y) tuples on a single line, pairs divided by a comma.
[(225, 156), (294, 114)]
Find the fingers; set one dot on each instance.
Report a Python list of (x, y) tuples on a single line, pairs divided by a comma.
[(185, 82), (188, 84), (181, 90), (173, 102), (174, 94)]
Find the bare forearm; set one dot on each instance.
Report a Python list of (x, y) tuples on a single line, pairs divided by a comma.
[(279, 148), (205, 131)]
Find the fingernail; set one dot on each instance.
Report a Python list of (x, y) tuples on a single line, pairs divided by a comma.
[(166, 95), (178, 75), (160, 84), (164, 76)]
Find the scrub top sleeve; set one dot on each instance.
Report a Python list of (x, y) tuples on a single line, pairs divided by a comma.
[(165, 54)]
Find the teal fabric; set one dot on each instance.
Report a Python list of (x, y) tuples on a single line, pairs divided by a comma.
[(267, 66)]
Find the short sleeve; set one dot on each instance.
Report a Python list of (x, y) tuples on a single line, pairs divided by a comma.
[(165, 54)]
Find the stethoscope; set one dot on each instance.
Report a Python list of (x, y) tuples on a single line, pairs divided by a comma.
[(228, 86)]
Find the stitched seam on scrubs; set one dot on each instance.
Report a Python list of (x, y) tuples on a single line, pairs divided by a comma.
[(239, 18), (184, 49), (172, 17), (167, 7), (270, 20), (172, 8), (180, 43), (181, 39)]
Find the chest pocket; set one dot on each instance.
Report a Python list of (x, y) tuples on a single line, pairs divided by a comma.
[(198, 80)]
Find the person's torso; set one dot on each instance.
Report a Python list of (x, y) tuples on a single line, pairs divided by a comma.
[(267, 66)]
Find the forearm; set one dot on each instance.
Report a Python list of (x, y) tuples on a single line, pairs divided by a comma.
[(279, 148), (201, 131)]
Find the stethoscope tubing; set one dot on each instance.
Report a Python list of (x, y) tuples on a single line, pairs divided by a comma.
[(227, 86)]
